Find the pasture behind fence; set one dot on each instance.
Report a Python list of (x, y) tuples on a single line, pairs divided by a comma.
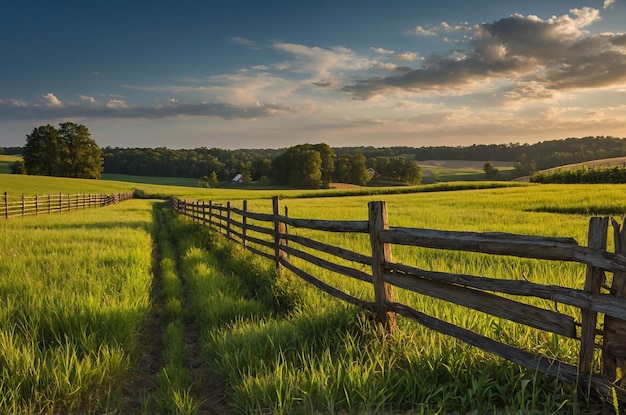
[(267, 234), (22, 205)]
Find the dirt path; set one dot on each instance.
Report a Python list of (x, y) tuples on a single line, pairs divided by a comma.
[(142, 388), (144, 380)]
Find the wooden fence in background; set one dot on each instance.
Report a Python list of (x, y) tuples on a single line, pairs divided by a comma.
[(266, 234), (14, 206)]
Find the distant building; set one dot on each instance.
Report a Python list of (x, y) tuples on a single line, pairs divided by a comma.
[(372, 172), (238, 178)]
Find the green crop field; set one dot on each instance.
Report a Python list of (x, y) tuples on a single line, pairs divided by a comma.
[(232, 337), (6, 161)]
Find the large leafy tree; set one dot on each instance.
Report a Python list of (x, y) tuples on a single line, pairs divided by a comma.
[(68, 151), (303, 166)]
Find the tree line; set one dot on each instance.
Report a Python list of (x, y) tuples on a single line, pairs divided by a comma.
[(70, 151), (582, 175), (309, 166), (542, 155)]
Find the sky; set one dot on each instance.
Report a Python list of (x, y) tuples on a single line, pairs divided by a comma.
[(273, 74)]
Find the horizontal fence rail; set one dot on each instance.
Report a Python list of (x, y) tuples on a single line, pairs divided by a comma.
[(22, 205), (273, 235)]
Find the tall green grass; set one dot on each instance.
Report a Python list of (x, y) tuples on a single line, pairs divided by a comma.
[(276, 344), (73, 295), (323, 356)]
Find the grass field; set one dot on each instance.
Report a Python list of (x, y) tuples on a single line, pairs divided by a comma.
[(74, 291), (6, 161), (460, 170), (75, 294)]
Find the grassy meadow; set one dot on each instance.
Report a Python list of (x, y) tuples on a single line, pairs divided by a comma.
[(6, 161), (75, 294)]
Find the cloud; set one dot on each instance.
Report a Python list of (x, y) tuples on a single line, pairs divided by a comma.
[(245, 42), (441, 28), (89, 99), (552, 54), (421, 31), (51, 100), (382, 51), (13, 109), (608, 4), (318, 62), (407, 56)]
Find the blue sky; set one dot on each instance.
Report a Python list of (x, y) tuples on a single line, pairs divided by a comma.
[(272, 74)]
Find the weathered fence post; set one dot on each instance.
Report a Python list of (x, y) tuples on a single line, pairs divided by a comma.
[(228, 219), (23, 206), (60, 202), (381, 254), (614, 341), (244, 221), (279, 228), (6, 206), (286, 228), (210, 212), (594, 279)]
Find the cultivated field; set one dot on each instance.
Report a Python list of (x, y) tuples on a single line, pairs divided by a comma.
[(75, 303), (6, 161)]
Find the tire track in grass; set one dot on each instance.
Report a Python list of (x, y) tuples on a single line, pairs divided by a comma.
[(143, 381), (184, 382)]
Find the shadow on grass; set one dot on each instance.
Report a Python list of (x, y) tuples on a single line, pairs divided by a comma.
[(616, 210)]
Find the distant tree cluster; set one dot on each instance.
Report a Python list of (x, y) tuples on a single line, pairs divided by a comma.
[(199, 162), (397, 168), (314, 166), (305, 166), (68, 151), (540, 156), (12, 151), (582, 175), (352, 169)]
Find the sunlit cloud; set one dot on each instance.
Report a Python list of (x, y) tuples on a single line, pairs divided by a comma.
[(407, 57), (52, 101), (382, 51), (88, 99), (116, 103), (546, 55)]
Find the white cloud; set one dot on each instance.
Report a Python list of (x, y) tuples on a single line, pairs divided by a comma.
[(245, 42), (407, 56), (116, 103), (89, 99), (608, 3), (536, 57), (51, 100), (382, 51), (319, 62), (422, 31)]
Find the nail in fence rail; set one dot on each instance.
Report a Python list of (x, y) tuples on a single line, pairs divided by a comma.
[(266, 234), (21, 206)]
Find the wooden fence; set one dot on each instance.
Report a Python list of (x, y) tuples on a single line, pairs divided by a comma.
[(266, 234), (14, 206)]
